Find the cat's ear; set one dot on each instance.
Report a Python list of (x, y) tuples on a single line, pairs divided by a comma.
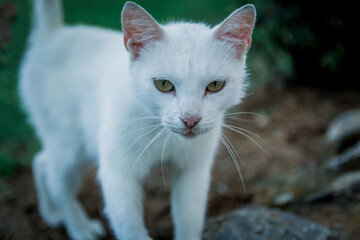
[(139, 28), (237, 29)]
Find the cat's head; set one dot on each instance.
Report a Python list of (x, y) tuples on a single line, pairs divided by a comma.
[(188, 74)]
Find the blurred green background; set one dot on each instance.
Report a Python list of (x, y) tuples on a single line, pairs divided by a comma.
[(294, 43)]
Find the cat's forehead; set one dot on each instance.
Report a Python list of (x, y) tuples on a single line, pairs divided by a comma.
[(191, 52), (187, 37), (190, 31)]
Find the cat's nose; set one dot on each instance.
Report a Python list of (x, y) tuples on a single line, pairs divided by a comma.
[(190, 121)]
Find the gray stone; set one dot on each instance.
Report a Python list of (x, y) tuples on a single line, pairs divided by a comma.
[(348, 161), (319, 196), (346, 185), (344, 130), (260, 223), (283, 199)]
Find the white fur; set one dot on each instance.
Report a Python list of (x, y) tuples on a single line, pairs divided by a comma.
[(91, 105)]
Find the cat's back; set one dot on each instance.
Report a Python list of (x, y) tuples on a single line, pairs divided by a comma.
[(73, 47), (66, 70)]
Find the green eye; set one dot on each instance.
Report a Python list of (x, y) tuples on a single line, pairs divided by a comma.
[(215, 86), (164, 85)]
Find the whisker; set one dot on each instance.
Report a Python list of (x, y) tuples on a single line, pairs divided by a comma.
[(150, 117), (118, 137), (238, 119), (245, 113), (162, 158), (135, 120), (138, 130), (157, 136), (233, 148), (138, 139), (233, 158), (247, 131), (247, 136)]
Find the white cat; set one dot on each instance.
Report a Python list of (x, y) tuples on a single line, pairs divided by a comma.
[(92, 103)]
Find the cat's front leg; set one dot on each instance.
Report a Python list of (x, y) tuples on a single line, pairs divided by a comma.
[(123, 204), (188, 198)]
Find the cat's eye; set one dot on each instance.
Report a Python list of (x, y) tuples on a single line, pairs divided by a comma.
[(215, 86), (164, 85)]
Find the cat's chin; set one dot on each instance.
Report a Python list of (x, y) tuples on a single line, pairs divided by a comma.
[(190, 135), (186, 134)]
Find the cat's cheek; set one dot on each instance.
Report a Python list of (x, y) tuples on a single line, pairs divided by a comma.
[(219, 100)]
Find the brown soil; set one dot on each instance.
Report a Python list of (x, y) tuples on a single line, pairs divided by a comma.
[(294, 124)]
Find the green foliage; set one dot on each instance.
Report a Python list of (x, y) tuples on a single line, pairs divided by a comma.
[(318, 41), (17, 140)]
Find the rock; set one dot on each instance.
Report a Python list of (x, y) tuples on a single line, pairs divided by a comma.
[(221, 187), (344, 130), (346, 185), (261, 223), (283, 199), (320, 196), (348, 161)]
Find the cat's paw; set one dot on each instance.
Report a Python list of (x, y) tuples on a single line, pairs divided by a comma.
[(94, 230), (52, 218), (98, 227)]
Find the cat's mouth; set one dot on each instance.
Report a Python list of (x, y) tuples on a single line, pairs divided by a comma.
[(189, 134), (192, 133)]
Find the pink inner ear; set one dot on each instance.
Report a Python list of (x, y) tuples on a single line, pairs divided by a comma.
[(248, 41), (239, 37), (237, 30), (135, 37), (238, 42), (139, 28), (125, 43), (132, 46)]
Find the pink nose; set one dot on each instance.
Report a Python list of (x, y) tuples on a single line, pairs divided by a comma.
[(191, 121)]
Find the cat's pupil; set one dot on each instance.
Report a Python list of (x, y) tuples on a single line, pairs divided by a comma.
[(163, 83), (215, 83)]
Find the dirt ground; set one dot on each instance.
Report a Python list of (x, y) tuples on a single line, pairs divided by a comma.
[(293, 124)]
